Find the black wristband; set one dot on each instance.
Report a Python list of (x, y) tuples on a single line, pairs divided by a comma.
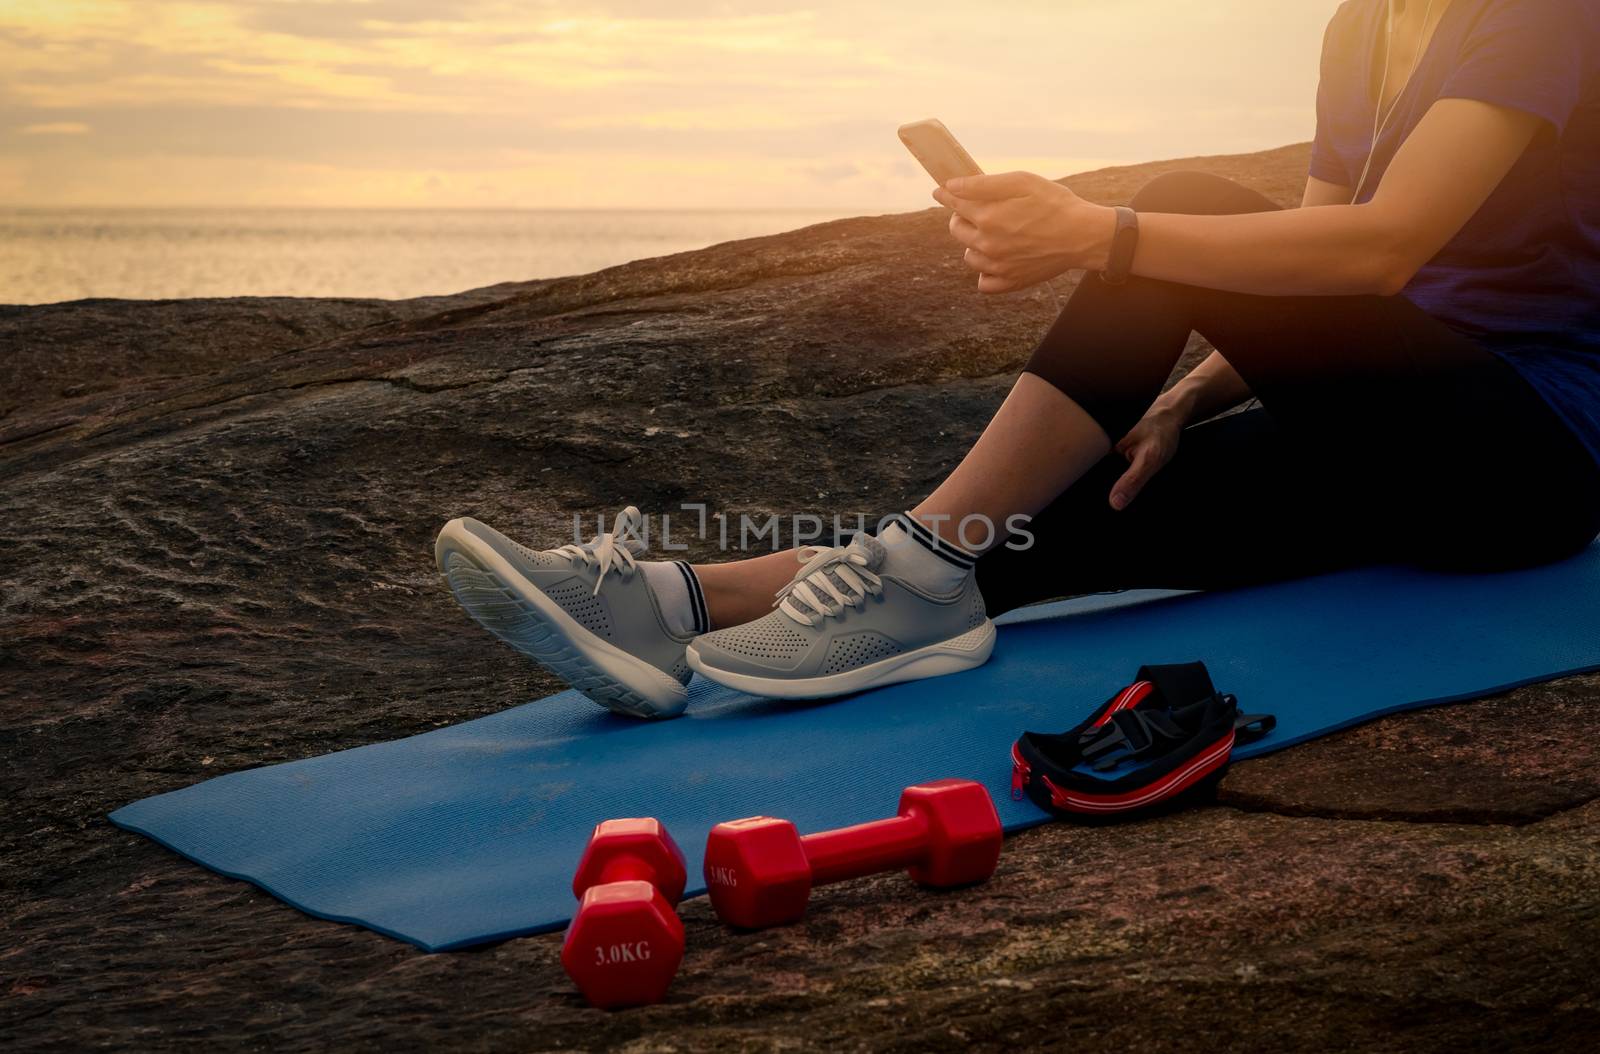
[(1123, 243)]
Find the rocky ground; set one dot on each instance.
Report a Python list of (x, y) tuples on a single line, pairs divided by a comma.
[(216, 553)]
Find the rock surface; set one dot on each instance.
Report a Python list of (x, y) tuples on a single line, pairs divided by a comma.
[(217, 554)]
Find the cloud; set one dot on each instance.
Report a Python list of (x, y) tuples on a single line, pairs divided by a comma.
[(341, 19), (793, 99), (833, 173), (56, 128)]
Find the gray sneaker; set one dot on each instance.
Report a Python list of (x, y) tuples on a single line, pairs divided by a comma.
[(585, 611), (842, 626)]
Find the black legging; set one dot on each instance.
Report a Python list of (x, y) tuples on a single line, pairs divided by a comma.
[(1383, 436)]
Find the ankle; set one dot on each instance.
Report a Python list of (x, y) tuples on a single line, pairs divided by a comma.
[(968, 537), (735, 606), (921, 557), (742, 591)]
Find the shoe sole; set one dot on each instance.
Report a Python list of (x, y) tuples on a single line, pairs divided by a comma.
[(501, 600), (970, 649)]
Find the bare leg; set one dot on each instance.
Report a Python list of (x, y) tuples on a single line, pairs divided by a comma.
[(1037, 445), (742, 591)]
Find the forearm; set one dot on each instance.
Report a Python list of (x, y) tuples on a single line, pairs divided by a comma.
[(1207, 390), (1336, 250), (1021, 229)]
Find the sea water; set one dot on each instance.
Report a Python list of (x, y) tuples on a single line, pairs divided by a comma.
[(49, 255)]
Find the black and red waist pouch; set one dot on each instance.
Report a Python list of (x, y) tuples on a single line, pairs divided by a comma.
[(1167, 735)]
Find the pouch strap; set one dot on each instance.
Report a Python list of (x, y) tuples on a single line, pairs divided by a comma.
[(1247, 728), (1129, 735), (1180, 683)]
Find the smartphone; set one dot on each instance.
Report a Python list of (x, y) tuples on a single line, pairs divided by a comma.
[(931, 143)]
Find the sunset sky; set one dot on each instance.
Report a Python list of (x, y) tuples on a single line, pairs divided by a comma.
[(673, 104)]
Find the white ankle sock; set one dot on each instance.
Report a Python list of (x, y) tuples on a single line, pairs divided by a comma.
[(920, 557), (677, 590)]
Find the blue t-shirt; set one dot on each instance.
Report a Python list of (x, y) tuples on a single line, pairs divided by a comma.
[(1522, 278)]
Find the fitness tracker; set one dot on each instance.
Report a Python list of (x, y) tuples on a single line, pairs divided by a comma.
[(1123, 243)]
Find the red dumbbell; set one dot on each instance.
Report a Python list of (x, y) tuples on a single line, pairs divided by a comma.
[(760, 871), (624, 944)]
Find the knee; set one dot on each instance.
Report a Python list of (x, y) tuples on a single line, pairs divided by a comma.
[(1198, 193)]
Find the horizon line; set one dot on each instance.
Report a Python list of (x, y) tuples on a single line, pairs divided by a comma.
[(4, 207)]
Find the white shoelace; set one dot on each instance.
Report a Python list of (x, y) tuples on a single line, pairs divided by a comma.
[(820, 567), (607, 551)]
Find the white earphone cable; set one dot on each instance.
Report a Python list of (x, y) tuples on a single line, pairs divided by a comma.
[(1380, 118)]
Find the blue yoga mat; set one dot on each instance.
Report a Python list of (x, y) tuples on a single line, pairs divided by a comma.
[(469, 834)]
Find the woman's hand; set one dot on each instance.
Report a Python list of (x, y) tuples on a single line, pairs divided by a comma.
[(1021, 229), (1148, 447)]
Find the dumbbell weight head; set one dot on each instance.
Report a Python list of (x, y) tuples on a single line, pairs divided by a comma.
[(967, 836), (757, 873), (625, 942), (624, 945), (640, 842)]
